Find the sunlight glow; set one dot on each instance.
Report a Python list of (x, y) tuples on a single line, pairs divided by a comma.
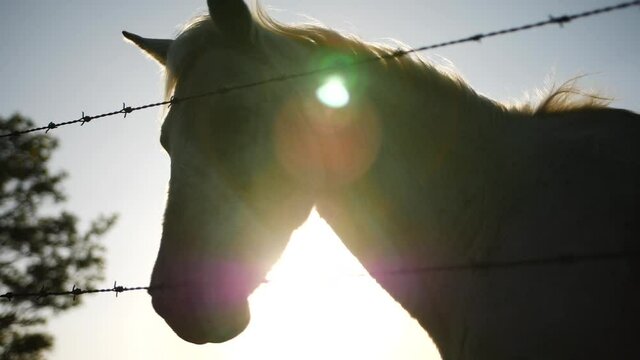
[(333, 93), (320, 303)]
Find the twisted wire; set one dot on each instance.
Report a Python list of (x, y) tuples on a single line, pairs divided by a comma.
[(74, 292), (552, 20), (559, 260)]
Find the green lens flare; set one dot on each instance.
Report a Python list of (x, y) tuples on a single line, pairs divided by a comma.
[(333, 93)]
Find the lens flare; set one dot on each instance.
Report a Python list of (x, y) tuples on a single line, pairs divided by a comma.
[(333, 93)]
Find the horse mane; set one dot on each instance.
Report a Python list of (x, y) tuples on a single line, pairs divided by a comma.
[(565, 97), (321, 36), (200, 31)]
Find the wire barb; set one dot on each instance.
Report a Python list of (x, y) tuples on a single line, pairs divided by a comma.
[(117, 289), (75, 291), (560, 20), (398, 53), (173, 100), (51, 126), (85, 119), (126, 110), (476, 38)]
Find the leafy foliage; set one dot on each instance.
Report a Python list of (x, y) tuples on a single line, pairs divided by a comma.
[(40, 245)]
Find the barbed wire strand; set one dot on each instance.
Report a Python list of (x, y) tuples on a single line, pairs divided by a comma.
[(553, 20), (74, 292), (560, 260)]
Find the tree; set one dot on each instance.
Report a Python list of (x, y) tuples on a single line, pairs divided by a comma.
[(41, 247)]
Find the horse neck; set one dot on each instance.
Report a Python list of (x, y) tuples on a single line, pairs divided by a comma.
[(426, 200), (440, 148)]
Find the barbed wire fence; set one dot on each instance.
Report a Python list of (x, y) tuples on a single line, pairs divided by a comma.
[(74, 292), (125, 110), (560, 260), (567, 259)]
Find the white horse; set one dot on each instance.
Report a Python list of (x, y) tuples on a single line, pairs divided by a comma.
[(413, 170)]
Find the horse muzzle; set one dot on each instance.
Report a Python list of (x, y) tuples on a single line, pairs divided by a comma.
[(203, 301), (198, 315)]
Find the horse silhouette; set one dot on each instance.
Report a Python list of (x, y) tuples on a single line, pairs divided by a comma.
[(412, 169)]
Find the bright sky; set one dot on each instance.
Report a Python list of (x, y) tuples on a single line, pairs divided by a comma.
[(60, 58)]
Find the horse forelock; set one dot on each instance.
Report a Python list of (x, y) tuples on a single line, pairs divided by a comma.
[(195, 37)]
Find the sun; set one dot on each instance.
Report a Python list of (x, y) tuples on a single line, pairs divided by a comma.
[(319, 302)]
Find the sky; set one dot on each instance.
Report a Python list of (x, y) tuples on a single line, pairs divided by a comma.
[(60, 58)]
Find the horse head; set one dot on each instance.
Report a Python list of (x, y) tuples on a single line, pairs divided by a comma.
[(231, 205)]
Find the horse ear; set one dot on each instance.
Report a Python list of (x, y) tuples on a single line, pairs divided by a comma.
[(156, 48), (233, 19)]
